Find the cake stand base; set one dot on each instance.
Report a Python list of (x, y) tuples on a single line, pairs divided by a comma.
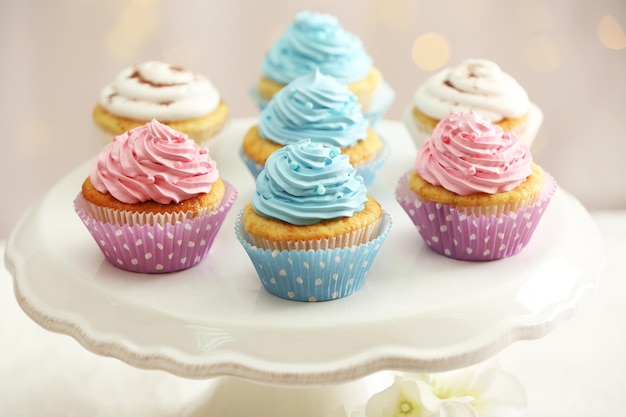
[(236, 397)]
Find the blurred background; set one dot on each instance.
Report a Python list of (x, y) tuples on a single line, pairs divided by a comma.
[(570, 56)]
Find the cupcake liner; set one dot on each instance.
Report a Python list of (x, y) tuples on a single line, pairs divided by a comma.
[(313, 275), (417, 133), (354, 238), (531, 126), (367, 169), (254, 167), (382, 99), (219, 141), (212, 141), (256, 97), (104, 137), (161, 247), (131, 218), (456, 234)]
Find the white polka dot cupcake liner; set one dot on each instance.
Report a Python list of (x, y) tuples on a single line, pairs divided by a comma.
[(254, 167), (157, 248), (526, 131), (354, 238), (314, 275), (381, 100), (368, 169), (455, 234), (419, 134)]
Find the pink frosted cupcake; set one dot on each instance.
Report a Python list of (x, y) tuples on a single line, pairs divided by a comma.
[(475, 192), (154, 200)]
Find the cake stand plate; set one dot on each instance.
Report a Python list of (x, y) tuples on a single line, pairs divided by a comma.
[(417, 311)]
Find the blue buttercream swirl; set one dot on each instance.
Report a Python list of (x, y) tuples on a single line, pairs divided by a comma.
[(316, 41), (306, 182), (316, 107)]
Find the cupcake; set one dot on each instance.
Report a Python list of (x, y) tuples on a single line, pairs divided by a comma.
[(475, 85), (474, 192), (320, 108), (310, 229), (154, 200), (317, 41), (186, 101)]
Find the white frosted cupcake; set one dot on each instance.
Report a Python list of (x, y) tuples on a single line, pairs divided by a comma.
[(184, 100), (477, 85)]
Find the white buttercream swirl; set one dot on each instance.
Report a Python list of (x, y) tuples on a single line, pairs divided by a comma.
[(157, 90), (475, 85)]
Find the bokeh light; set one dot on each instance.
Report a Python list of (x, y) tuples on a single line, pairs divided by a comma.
[(273, 34), (430, 51), (184, 53), (467, 10), (136, 23), (398, 14), (534, 15), (34, 139), (611, 33), (542, 54)]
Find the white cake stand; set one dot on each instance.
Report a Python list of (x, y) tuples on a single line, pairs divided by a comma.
[(418, 311)]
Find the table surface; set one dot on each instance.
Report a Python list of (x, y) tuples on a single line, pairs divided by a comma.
[(577, 370)]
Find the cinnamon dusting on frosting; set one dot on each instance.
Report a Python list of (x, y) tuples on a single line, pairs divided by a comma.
[(161, 91), (137, 75)]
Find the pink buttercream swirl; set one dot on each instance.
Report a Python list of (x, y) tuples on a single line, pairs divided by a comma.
[(153, 162), (468, 154)]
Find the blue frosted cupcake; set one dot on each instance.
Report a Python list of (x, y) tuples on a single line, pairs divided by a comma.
[(311, 230), (316, 41), (320, 108)]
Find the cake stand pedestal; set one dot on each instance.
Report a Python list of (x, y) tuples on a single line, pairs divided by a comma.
[(418, 311)]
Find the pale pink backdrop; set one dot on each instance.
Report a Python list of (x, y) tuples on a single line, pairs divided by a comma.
[(56, 55)]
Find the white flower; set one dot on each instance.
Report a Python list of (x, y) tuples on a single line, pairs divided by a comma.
[(404, 398), (489, 393), (476, 392)]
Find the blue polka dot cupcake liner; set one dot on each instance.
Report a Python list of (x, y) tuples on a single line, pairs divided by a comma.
[(470, 237), (368, 169), (254, 167), (526, 132), (383, 98), (381, 101), (256, 97), (314, 275), (159, 247)]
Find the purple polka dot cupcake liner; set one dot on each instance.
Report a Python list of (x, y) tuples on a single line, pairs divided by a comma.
[(455, 234), (157, 248), (314, 275), (382, 99), (368, 170)]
